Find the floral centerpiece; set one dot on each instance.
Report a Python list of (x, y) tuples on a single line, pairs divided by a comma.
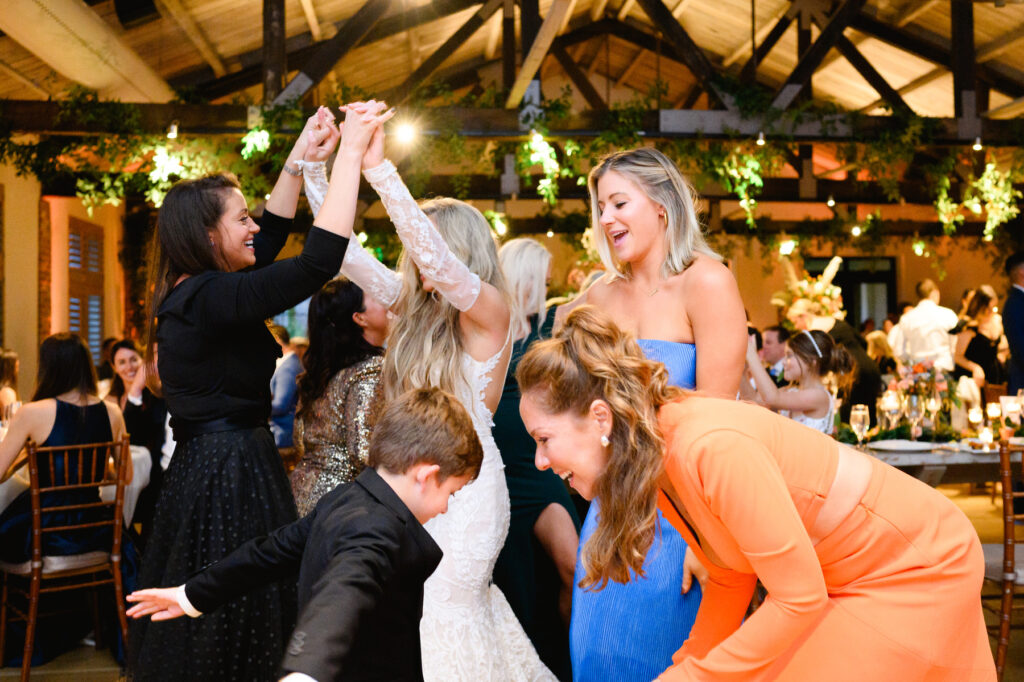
[(825, 298)]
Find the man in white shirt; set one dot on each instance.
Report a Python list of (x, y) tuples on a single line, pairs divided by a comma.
[(923, 332)]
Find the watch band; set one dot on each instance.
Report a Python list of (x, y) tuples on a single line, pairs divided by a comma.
[(291, 171)]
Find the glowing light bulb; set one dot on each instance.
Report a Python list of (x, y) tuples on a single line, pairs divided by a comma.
[(172, 131), (855, 231), (406, 133), (760, 139), (831, 201), (977, 144), (787, 247), (550, 234)]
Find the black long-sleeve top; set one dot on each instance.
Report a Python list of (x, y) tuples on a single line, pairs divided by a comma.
[(362, 559), (216, 355)]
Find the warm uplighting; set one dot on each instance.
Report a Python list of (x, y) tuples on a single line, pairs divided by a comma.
[(855, 230), (786, 247), (760, 139), (172, 131), (831, 201), (406, 133), (977, 144)]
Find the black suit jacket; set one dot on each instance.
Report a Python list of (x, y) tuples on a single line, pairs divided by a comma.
[(1013, 327), (362, 559)]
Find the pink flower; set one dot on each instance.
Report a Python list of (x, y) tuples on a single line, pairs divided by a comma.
[(941, 386)]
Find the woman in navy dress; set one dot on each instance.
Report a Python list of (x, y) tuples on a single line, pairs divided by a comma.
[(65, 410), (671, 291)]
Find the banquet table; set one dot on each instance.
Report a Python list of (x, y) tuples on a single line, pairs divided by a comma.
[(944, 464)]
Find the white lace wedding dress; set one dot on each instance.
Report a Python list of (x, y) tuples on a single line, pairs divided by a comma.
[(468, 631)]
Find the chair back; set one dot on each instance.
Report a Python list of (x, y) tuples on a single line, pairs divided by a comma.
[(68, 468)]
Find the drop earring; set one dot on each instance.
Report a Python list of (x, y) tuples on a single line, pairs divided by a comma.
[(604, 441)]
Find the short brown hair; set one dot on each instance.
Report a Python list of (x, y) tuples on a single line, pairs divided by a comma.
[(426, 425)]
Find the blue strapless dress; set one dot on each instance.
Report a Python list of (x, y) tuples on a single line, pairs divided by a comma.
[(628, 633)]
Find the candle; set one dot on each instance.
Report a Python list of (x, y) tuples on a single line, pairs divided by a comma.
[(985, 436), (975, 415), (993, 410)]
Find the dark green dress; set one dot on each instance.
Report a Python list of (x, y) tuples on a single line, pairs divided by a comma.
[(524, 572)]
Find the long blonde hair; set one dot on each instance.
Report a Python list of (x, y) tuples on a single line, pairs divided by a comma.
[(588, 359), (663, 184), (424, 347), (524, 263)]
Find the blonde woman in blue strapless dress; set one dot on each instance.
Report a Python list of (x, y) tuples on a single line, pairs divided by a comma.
[(667, 287)]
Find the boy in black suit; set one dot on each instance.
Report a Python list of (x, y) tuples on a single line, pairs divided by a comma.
[(362, 553)]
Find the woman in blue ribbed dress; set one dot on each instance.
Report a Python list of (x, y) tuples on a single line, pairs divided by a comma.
[(666, 286)]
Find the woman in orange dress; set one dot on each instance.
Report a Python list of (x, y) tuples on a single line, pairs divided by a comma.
[(871, 575)]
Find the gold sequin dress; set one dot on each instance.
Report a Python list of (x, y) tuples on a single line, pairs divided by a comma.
[(334, 440)]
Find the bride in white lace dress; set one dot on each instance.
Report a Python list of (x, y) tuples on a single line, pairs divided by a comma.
[(452, 331)]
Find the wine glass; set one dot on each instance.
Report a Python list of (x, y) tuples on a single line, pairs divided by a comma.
[(913, 410), (891, 408), (860, 421), (933, 405)]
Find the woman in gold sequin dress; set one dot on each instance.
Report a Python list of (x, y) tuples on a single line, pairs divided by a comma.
[(338, 390)]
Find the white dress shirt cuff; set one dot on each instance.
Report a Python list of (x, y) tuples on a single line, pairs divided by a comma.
[(135, 400), (185, 604), (297, 677)]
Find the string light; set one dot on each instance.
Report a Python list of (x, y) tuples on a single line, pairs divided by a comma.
[(760, 139), (406, 133), (977, 144), (831, 201), (172, 131), (550, 234), (855, 231)]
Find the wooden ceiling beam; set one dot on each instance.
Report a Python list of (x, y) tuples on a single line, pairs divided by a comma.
[(693, 57), (314, 24), (904, 16), (454, 42), (176, 12), (871, 75), (30, 83), (631, 67), (538, 50), (767, 43), (301, 48), (597, 9), (578, 78), (760, 36), (333, 50), (808, 63), (625, 9)]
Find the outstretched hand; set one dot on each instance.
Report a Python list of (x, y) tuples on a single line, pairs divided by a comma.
[(159, 602)]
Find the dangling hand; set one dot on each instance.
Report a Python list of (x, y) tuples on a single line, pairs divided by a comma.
[(159, 602), (693, 568)]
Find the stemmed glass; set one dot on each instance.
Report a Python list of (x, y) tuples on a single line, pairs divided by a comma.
[(890, 405), (860, 422), (913, 410), (933, 405)]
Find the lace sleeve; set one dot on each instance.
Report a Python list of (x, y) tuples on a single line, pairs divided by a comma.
[(370, 274), (419, 236)]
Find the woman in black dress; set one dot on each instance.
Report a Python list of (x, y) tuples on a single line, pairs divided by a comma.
[(226, 484), (977, 345)]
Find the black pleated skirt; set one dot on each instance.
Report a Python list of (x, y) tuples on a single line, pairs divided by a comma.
[(220, 490)]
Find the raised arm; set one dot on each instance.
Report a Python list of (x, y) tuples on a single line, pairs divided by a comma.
[(800, 400), (373, 277)]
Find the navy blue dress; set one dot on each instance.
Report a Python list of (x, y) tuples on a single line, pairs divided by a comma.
[(629, 632), (74, 425)]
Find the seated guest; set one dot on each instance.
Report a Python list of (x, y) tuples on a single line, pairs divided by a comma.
[(144, 417), (362, 553), (338, 390), (8, 379), (65, 410), (283, 389), (870, 574), (811, 356)]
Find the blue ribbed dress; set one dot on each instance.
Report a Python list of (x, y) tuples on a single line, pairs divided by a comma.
[(628, 633)]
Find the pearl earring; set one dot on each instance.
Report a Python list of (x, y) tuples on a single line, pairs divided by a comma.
[(604, 441)]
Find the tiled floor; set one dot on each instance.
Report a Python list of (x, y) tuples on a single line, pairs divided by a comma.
[(85, 664)]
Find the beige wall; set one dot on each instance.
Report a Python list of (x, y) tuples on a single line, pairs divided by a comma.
[(111, 219), (21, 271)]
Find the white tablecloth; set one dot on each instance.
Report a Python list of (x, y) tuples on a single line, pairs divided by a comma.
[(141, 464)]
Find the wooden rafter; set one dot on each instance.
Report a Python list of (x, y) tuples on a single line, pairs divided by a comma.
[(631, 67), (493, 35), (454, 42), (597, 9), (332, 51), (314, 24), (24, 80), (743, 49), (274, 67), (568, 17), (768, 42), (871, 75), (538, 50), (625, 9), (301, 49), (918, 82), (680, 7), (692, 55), (903, 17), (809, 62), (578, 78), (965, 78), (176, 12)]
